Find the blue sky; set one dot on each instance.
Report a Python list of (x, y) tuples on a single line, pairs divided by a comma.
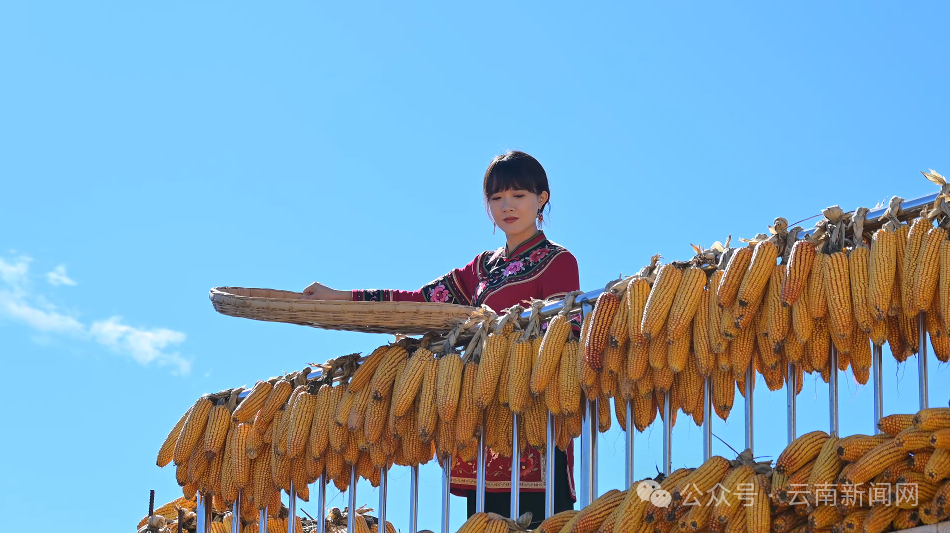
[(149, 152)]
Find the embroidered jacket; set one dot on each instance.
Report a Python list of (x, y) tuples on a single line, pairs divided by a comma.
[(537, 268)]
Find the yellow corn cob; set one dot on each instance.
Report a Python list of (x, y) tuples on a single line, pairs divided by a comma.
[(785, 492), (591, 517), (635, 299), (943, 302), (802, 450), (663, 379), (779, 315), (755, 279), (469, 416), (727, 322), (924, 487), (796, 272), (906, 519), (568, 386), (894, 424), (449, 380), (826, 469), (741, 351), (678, 351), (938, 466), (613, 360), (240, 466), (940, 439), (882, 272), (644, 411), (802, 322), (701, 480), (252, 403), (364, 374), (475, 524), (702, 347), (858, 261), (328, 398), (915, 239), (357, 417), (717, 343), (342, 415), (824, 516), (552, 346), (927, 269), (918, 462), (853, 447), (912, 439), (167, 449), (815, 289), (861, 354), (428, 414), (385, 375), (300, 422), (598, 332), (837, 290), (552, 395), (555, 522), (938, 336), (817, 347), (193, 429), (619, 328), (520, 373), (758, 514), (277, 397), (879, 518), (685, 302), (494, 356), (660, 300), (216, 430), (932, 419), (728, 289), (938, 508), (875, 461), (785, 523), (724, 392), (409, 381)]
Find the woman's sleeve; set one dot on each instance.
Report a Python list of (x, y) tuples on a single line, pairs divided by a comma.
[(456, 287)]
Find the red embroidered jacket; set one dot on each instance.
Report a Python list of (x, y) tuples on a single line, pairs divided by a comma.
[(537, 268)]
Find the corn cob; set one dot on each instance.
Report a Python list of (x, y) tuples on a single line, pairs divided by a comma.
[(943, 302), (663, 379), (427, 413), (219, 423), (785, 491), (727, 505), (364, 373), (635, 299), (494, 357), (932, 419), (779, 314), (815, 289), (853, 447), (328, 398), (701, 480), (824, 516), (167, 449), (938, 466), (738, 523), (875, 461), (409, 381), (357, 417), (613, 360), (927, 269), (724, 392), (802, 450), (894, 424), (755, 279), (277, 397), (598, 332), (906, 519), (677, 352), (912, 439), (826, 469), (923, 490), (727, 322), (858, 261), (915, 238), (802, 322), (555, 522), (552, 347), (702, 347), (938, 336), (644, 411), (658, 304), (728, 288), (818, 346), (786, 522), (252, 403), (758, 514), (449, 379), (717, 343), (796, 272), (882, 273), (300, 422), (937, 509), (918, 461), (193, 429), (861, 355), (741, 351), (469, 417), (475, 524), (854, 522), (607, 384), (619, 330), (838, 293), (591, 517), (879, 518), (940, 439), (385, 376), (686, 301), (568, 388)]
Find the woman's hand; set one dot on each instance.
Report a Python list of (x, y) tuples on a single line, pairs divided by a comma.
[(319, 291)]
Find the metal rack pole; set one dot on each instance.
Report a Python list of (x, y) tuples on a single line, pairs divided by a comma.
[(515, 469), (262, 519), (628, 446), (876, 366), (707, 419), (667, 434), (413, 499), (351, 499), (291, 508), (922, 359), (584, 498), (383, 489), (792, 400), (833, 392), (749, 388), (203, 514), (321, 505), (592, 418), (549, 469), (236, 513), (446, 492), (480, 471)]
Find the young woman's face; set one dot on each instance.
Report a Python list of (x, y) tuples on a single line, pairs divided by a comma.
[(516, 211)]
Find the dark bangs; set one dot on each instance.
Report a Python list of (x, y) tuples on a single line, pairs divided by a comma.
[(515, 171)]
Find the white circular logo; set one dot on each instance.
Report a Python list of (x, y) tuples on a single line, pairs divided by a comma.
[(645, 488), (661, 498)]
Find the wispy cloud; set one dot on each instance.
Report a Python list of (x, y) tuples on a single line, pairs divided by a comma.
[(58, 277), (20, 303)]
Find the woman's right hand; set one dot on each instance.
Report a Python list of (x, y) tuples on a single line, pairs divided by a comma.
[(319, 291)]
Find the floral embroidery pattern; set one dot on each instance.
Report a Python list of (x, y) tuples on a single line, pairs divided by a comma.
[(513, 267), (439, 294), (539, 254)]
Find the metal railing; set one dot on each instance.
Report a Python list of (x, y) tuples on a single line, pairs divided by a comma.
[(588, 438)]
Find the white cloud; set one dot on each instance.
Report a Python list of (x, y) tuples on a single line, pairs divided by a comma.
[(20, 304), (58, 277)]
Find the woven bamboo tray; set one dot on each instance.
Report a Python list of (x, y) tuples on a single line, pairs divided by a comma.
[(410, 318)]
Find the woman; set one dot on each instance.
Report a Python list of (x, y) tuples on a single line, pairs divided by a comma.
[(528, 266)]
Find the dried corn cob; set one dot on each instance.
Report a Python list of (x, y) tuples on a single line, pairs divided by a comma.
[(799, 267), (853, 447), (802, 450), (678, 351), (717, 342), (591, 517), (728, 289), (449, 380), (826, 469), (705, 358), (912, 439), (779, 314), (915, 238), (858, 264), (879, 518), (724, 392), (385, 376), (252, 403), (299, 423), (660, 300), (906, 519), (758, 514), (598, 332), (894, 424), (802, 322), (494, 356), (167, 450), (927, 269), (193, 429), (837, 290), (875, 461), (938, 466), (883, 271), (932, 419), (409, 381), (815, 288), (940, 439), (685, 302), (552, 347)]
